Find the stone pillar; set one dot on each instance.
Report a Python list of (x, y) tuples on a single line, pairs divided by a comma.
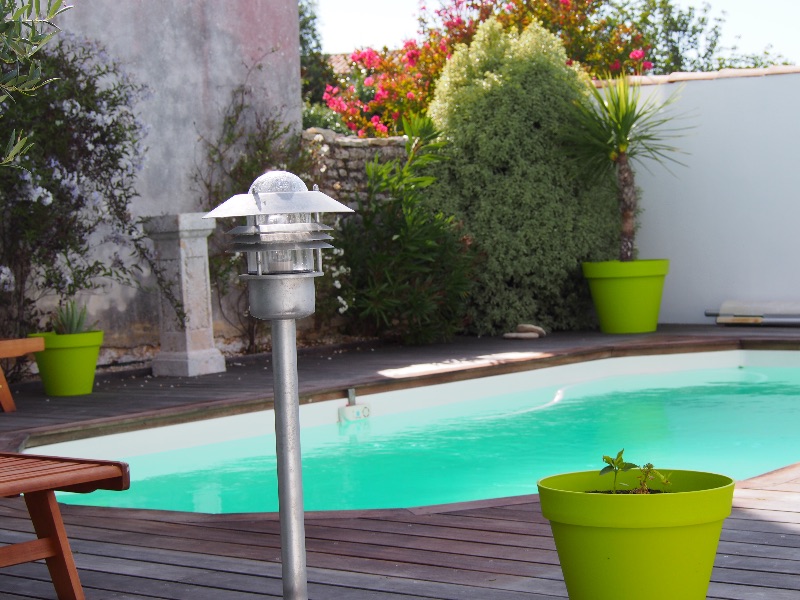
[(182, 249)]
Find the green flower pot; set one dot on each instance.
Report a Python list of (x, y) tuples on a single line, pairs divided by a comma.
[(627, 295), (68, 362), (633, 546)]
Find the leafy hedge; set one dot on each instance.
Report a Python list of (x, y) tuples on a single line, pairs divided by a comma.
[(502, 104), (409, 269)]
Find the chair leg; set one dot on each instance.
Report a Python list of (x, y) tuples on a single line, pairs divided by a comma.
[(6, 400), (47, 523)]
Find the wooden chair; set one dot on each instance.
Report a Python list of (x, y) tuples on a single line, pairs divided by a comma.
[(37, 478), (13, 349)]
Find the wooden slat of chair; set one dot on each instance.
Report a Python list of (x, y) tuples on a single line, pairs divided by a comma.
[(37, 478), (13, 349)]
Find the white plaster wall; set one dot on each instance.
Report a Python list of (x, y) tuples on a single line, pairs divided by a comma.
[(729, 221), (192, 54)]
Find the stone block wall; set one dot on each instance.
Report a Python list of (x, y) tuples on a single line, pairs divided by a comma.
[(340, 160)]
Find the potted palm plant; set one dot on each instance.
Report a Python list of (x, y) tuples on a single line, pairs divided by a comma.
[(610, 531), (68, 362), (614, 128)]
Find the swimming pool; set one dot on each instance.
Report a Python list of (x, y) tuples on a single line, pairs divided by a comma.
[(485, 438)]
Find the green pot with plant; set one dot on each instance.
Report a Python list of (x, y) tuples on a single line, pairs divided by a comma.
[(68, 362), (614, 127), (638, 534)]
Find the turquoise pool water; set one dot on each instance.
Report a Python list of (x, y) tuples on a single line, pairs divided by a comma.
[(738, 421)]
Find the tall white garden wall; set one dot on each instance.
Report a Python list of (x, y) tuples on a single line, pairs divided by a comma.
[(192, 55), (729, 221)]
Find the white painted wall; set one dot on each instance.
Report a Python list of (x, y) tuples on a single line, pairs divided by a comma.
[(730, 220), (192, 54)]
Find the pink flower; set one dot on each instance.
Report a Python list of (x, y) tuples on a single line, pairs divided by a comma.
[(411, 57), (615, 66), (410, 95), (352, 126), (566, 3), (382, 128), (337, 104), (369, 58), (380, 95), (647, 65), (454, 23), (369, 81), (375, 119), (637, 54), (362, 133)]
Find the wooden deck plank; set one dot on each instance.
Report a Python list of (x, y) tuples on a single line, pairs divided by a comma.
[(491, 550), (727, 591), (138, 546)]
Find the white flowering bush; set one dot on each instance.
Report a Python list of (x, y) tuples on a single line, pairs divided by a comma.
[(71, 192)]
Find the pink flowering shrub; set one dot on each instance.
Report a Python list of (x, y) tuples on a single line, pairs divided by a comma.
[(385, 85)]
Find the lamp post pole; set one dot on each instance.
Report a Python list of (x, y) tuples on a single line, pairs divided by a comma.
[(290, 477), (283, 241)]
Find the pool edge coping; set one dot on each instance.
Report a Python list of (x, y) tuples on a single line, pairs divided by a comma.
[(39, 436)]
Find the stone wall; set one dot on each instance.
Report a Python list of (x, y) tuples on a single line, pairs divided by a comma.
[(341, 160)]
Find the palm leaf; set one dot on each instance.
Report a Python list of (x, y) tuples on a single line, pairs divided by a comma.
[(615, 121)]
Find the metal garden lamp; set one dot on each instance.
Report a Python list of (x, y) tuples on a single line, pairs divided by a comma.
[(283, 241)]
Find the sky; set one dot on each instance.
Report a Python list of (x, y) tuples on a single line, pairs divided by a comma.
[(345, 25)]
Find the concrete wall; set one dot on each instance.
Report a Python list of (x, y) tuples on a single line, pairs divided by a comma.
[(192, 54), (728, 221)]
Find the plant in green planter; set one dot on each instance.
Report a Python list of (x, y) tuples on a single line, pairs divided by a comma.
[(68, 362), (613, 128), (646, 473), (595, 524), (69, 318)]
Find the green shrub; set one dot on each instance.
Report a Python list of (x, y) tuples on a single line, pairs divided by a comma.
[(409, 268), (502, 104)]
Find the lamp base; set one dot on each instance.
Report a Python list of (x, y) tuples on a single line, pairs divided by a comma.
[(289, 296)]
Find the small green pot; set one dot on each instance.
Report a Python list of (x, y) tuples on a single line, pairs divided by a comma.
[(633, 546), (627, 295), (68, 362)]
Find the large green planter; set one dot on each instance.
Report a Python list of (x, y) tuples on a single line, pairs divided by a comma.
[(633, 546), (68, 362), (627, 295)]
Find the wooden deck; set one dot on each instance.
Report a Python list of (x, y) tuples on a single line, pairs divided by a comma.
[(494, 550), (489, 550)]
